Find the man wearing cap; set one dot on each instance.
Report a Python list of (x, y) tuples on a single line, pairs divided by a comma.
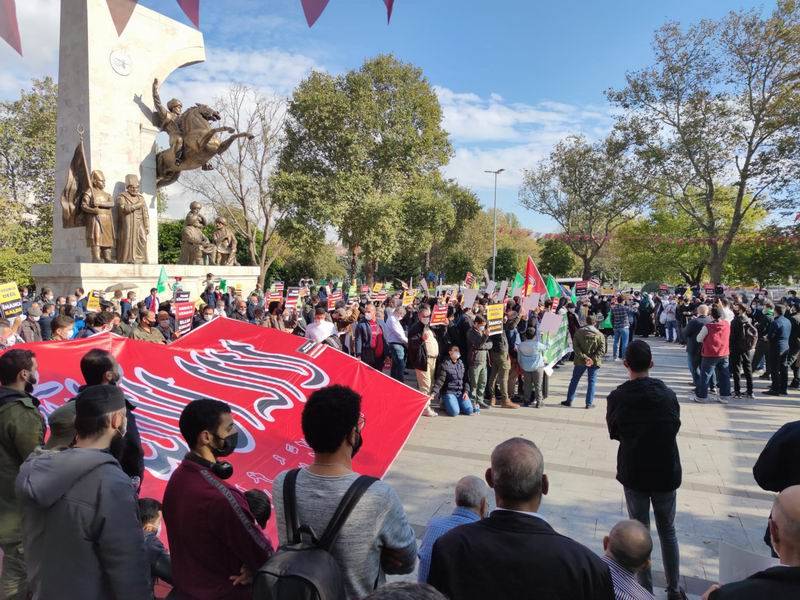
[(21, 430), (29, 329), (81, 531)]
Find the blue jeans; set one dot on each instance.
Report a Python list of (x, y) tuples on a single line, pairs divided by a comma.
[(664, 508), (709, 366), (577, 373), (398, 361), (670, 328), (455, 404), (620, 342)]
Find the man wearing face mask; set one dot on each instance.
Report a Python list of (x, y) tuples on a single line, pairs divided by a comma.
[(79, 511), (376, 538), (423, 350), (63, 328), (21, 430), (214, 543), (146, 330), (29, 329), (478, 345), (206, 315), (99, 367)]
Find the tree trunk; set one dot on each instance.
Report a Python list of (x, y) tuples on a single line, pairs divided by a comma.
[(587, 268), (715, 266), (369, 271)]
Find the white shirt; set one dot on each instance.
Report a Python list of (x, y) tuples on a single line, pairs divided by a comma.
[(523, 512), (727, 314), (394, 331), (318, 332)]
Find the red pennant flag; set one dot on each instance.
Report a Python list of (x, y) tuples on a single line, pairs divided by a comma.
[(121, 11), (389, 6), (192, 10), (534, 284), (313, 9), (9, 27)]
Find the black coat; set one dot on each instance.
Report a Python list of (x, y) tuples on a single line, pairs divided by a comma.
[(777, 467), (511, 556), (417, 356), (775, 582), (644, 415)]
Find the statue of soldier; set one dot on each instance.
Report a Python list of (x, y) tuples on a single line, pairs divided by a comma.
[(134, 224), (224, 243), (169, 121), (97, 205)]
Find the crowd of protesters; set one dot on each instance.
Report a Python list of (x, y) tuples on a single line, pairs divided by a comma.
[(74, 500)]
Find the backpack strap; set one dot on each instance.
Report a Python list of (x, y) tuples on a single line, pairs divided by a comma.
[(290, 507), (348, 502)]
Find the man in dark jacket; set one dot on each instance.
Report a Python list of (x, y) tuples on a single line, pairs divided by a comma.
[(782, 581), (21, 430), (478, 347), (99, 367), (79, 511), (744, 337), (794, 347), (423, 352), (644, 415), (515, 553), (778, 355), (694, 348), (214, 543), (777, 467)]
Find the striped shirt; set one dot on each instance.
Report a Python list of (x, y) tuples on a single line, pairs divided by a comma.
[(626, 587), (619, 316)]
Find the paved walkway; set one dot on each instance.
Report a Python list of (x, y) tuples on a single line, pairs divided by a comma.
[(718, 444)]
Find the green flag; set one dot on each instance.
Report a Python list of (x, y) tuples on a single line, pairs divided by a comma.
[(553, 289), (223, 285), (519, 282), (161, 286)]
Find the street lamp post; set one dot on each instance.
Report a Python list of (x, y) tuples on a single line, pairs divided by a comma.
[(494, 229)]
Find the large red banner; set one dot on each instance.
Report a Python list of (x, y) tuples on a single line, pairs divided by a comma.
[(264, 374)]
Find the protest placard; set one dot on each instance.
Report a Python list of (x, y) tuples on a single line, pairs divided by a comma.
[(333, 298), (439, 315), (365, 289), (93, 303), (468, 298), (10, 300), (490, 287), (184, 311), (581, 288), (277, 286), (530, 303), (182, 296), (556, 342), (469, 278), (275, 297), (494, 318), (379, 297), (550, 322), (501, 295), (377, 288), (292, 296), (408, 297)]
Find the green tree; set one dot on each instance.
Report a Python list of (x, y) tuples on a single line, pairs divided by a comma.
[(506, 264), (556, 258), (169, 242), (356, 142), (16, 266), (27, 165), (720, 103), (588, 189), (770, 259)]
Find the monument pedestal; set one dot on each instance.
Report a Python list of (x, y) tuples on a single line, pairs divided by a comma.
[(64, 278)]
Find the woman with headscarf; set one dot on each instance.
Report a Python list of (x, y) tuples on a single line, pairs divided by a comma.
[(644, 322)]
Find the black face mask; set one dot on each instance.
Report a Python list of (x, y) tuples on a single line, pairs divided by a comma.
[(358, 443), (30, 384), (228, 445)]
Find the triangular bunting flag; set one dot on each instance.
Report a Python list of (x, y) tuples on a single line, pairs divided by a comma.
[(389, 6), (9, 27), (192, 10), (313, 9), (121, 11)]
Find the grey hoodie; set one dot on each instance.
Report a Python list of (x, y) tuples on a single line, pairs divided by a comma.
[(81, 532)]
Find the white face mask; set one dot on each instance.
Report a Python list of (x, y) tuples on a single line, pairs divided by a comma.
[(73, 303), (70, 334), (455, 356), (369, 316), (34, 319)]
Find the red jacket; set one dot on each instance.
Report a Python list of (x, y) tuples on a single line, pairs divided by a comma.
[(717, 342), (211, 535)]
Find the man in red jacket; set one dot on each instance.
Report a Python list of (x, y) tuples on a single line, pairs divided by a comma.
[(715, 338), (214, 542)]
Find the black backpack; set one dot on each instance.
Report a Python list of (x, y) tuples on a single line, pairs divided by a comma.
[(304, 569)]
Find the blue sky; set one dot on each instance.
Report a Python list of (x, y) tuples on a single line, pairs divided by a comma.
[(513, 76)]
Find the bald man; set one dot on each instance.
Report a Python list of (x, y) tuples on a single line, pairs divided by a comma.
[(515, 553), (472, 504), (777, 582), (693, 348), (627, 552)]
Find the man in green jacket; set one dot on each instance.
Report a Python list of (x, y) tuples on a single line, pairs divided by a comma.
[(21, 431), (589, 346)]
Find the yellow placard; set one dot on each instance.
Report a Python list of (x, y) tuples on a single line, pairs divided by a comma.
[(9, 292), (93, 304), (408, 298), (377, 288), (494, 318)]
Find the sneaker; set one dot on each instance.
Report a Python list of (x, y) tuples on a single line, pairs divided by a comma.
[(748, 396), (565, 403), (588, 406), (723, 399), (678, 594), (691, 397), (429, 412), (616, 359), (483, 404), (771, 393), (699, 400), (509, 404)]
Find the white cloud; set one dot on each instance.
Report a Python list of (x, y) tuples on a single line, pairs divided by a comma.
[(491, 133)]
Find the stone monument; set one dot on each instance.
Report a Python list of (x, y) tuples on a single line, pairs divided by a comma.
[(106, 85)]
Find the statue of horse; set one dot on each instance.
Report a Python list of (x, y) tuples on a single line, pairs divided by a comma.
[(200, 144)]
